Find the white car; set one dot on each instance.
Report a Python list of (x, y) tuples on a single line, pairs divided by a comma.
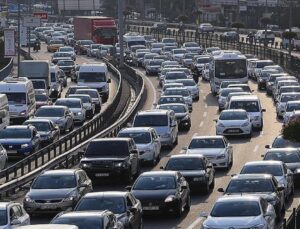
[(147, 142), (291, 106), (215, 148), (68, 49), (282, 101), (76, 107), (147, 58), (87, 104), (13, 215), (177, 54), (193, 88), (206, 28), (241, 212), (223, 93), (192, 47), (153, 67), (234, 122), (171, 77), (184, 92), (169, 42)]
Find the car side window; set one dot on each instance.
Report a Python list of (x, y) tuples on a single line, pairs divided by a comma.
[(15, 212), (20, 210), (264, 205)]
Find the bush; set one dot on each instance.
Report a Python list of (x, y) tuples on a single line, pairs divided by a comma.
[(292, 131)]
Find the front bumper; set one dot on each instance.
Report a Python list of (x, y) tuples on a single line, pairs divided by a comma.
[(233, 130), (42, 206), (98, 172), (146, 156), (158, 207), (166, 141)]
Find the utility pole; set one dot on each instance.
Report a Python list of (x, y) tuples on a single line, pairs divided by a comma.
[(290, 30), (238, 11), (94, 7), (121, 30), (19, 36), (28, 29)]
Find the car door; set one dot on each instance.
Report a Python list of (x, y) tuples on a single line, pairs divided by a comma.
[(54, 131), (267, 212), (23, 216), (35, 139), (289, 177), (229, 150), (133, 218), (155, 142), (209, 170), (134, 158), (173, 124)]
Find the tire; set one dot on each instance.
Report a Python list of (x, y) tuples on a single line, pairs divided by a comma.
[(72, 127), (212, 185), (154, 160), (176, 141), (129, 177), (178, 211), (187, 206), (262, 126), (207, 189)]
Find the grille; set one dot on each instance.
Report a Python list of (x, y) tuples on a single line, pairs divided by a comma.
[(48, 201)]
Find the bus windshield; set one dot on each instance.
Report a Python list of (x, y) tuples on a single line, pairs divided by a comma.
[(230, 69)]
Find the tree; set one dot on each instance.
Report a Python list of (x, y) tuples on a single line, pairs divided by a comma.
[(238, 25), (291, 131)]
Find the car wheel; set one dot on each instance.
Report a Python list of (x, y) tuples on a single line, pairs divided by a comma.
[(262, 125), (206, 189), (154, 160), (129, 177), (178, 211), (187, 206), (176, 140), (212, 185), (72, 127)]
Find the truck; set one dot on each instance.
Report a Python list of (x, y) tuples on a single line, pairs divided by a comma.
[(101, 30), (36, 70)]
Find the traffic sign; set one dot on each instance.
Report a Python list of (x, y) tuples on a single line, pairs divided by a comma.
[(42, 15), (30, 21)]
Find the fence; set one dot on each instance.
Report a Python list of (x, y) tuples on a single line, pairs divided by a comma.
[(6, 71)]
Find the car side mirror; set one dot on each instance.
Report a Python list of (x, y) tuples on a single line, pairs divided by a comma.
[(215, 120), (133, 210), (81, 153), (109, 80), (262, 156), (203, 214), (267, 146), (135, 151), (15, 222), (185, 148), (221, 190), (183, 187), (280, 188), (263, 110), (209, 166), (84, 185), (161, 167)]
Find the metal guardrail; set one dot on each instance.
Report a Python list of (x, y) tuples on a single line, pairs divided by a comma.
[(6, 71)]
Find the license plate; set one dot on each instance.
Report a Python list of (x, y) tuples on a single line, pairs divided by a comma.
[(151, 208), (11, 151), (102, 174), (48, 207), (233, 131)]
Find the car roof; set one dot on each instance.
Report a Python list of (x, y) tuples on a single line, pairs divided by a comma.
[(238, 198), (290, 149), (3, 205), (135, 129), (37, 120), (251, 176), (19, 127), (208, 137), (234, 110), (53, 106), (59, 172), (153, 112), (200, 156), (159, 173), (83, 214), (245, 97), (69, 99), (270, 162), (111, 139), (106, 194)]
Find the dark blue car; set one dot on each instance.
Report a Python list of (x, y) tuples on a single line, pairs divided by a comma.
[(19, 141)]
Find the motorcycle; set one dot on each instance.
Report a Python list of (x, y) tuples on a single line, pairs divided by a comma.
[(37, 47)]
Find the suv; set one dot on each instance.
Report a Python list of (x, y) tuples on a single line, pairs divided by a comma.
[(111, 157), (82, 46), (261, 37), (206, 28)]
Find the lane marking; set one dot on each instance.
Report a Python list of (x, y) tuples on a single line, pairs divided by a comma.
[(201, 124), (195, 223), (255, 148), (205, 106), (195, 134), (205, 114), (261, 134)]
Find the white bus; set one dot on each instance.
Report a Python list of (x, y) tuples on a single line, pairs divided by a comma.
[(227, 67)]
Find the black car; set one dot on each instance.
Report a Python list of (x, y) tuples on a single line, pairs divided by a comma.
[(111, 158), (68, 66), (57, 190), (264, 185), (280, 142), (124, 205), (87, 219), (162, 192), (263, 78), (196, 169), (230, 36), (72, 90)]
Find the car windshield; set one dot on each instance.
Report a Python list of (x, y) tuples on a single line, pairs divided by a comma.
[(177, 92), (65, 63), (179, 51), (93, 94), (40, 126), (175, 75), (210, 143), (150, 120), (84, 99), (41, 98), (225, 92), (155, 183), (169, 40), (61, 54), (236, 209), (81, 222), (289, 89), (286, 98), (285, 156), (175, 108), (107, 149), (234, 115), (155, 62), (203, 60), (95, 46), (63, 49), (249, 106), (187, 83), (280, 142), (91, 77), (232, 69), (178, 164), (263, 64), (293, 107), (138, 137), (191, 44), (15, 133), (16, 98), (113, 204), (3, 217), (68, 103), (86, 42), (164, 100), (50, 112), (275, 170), (38, 84), (54, 182), (250, 185)]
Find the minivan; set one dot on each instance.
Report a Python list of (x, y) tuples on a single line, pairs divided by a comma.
[(4, 111), (163, 121), (21, 98), (252, 105)]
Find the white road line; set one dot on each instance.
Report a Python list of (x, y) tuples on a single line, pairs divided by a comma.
[(195, 134), (205, 114), (195, 223), (152, 86), (255, 148), (201, 124), (261, 134), (205, 106)]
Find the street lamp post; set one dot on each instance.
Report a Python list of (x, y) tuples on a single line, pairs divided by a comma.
[(290, 29)]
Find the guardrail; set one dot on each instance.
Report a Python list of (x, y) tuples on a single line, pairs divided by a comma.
[(6, 71)]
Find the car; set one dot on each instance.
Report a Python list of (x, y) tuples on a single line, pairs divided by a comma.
[(147, 58), (283, 99), (171, 85), (153, 67), (234, 122), (172, 76), (241, 212), (13, 215), (182, 114), (232, 94), (193, 88), (88, 219), (281, 142), (20, 141), (179, 73), (81, 46), (42, 100), (166, 99), (283, 83), (149, 39), (181, 91), (291, 158), (54, 45), (206, 28), (187, 59), (192, 47), (263, 185), (286, 89), (271, 81), (169, 41), (226, 83), (111, 158), (96, 98), (230, 36), (262, 36), (197, 171), (162, 192), (87, 104), (295, 116), (69, 50), (216, 149), (76, 107), (178, 53), (48, 131), (223, 93), (127, 209), (60, 56), (278, 169), (92, 50), (147, 142), (72, 89), (68, 66), (60, 115), (291, 107), (159, 27), (103, 51), (57, 190)]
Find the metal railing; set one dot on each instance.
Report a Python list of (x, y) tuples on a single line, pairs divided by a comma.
[(6, 71)]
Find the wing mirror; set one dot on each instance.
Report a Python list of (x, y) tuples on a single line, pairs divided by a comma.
[(15, 222), (221, 190), (267, 146)]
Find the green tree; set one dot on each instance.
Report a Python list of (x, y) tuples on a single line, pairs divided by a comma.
[(291, 131)]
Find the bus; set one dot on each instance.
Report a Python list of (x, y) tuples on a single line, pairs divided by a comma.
[(227, 66)]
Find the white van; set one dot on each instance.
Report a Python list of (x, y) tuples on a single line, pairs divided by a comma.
[(21, 98), (49, 226), (4, 111), (95, 76), (252, 105)]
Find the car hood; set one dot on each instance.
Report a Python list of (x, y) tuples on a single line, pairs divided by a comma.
[(15, 141), (142, 147), (53, 119), (160, 129), (206, 152), (40, 194), (149, 195), (44, 133), (102, 158), (231, 222)]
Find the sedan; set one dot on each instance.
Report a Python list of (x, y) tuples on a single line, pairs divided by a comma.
[(184, 92), (282, 101), (222, 97), (69, 50), (241, 212), (278, 169), (170, 99), (191, 85), (124, 205), (234, 122), (291, 107), (153, 67), (87, 104), (162, 192), (57, 190), (196, 169), (215, 148), (48, 131), (68, 66), (42, 100)]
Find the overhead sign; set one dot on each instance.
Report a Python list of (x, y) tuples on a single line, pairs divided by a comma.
[(42, 15), (9, 43), (29, 21), (23, 36)]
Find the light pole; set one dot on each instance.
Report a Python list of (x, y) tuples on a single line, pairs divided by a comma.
[(290, 30), (19, 39), (121, 30)]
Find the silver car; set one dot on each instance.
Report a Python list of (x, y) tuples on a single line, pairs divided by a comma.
[(193, 88), (96, 99), (184, 92), (222, 97), (282, 101), (87, 104), (13, 215)]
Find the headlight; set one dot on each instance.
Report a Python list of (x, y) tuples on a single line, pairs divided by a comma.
[(23, 113), (170, 198), (24, 145), (220, 125), (28, 199), (71, 197), (79, 113), (122, 164), (222, 156), (246, 124), (86, 165)]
